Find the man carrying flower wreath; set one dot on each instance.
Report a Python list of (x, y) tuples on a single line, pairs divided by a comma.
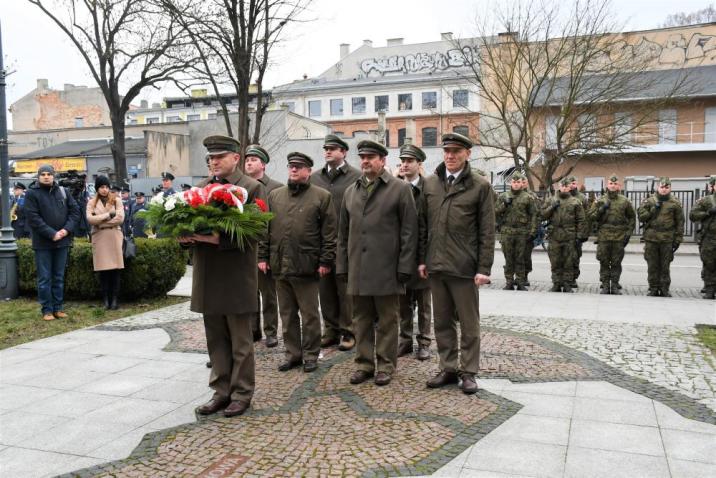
[(224, 287)]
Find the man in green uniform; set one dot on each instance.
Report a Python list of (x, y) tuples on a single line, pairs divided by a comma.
[(219, 265), (566, 235), (300, 248), (575, 192), (457, 247), (529, 243), (418, 289), (255, 166), (704, 212), (516, 215), (663, 219), (614, 217), (377, 239), (335, 177)]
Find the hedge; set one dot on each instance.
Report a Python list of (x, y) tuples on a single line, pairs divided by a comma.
[(159, 265)]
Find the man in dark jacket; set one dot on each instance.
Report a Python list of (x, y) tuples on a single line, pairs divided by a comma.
[(376, 250), (136, 223), (17, 206), (51, 214), (255, 166), (224, 285), (335, 177), (457, 245), (301, 247), (418, 289)]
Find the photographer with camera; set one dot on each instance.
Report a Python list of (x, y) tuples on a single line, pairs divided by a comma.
[(74, 182)]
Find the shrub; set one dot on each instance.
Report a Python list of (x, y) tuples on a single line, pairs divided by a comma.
[(159, 265)]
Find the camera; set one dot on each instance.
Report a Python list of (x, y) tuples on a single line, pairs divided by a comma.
[(73, 181)]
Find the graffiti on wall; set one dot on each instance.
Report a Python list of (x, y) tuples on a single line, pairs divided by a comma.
[(419, 62)]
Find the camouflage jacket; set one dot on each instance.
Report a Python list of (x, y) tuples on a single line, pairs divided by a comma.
[(566, 217), (700, 213), (516, 213), (663, 220), (614, 217)]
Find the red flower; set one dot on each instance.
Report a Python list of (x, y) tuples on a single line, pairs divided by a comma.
[(262, 205)]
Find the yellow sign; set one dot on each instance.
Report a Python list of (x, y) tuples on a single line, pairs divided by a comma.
[(60, 164)]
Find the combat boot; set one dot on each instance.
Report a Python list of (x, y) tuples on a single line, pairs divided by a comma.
[(521, 287), (665, 293), (556, 288), (509, 286), (604, 289), (616, 290), (653, 293), (567, 288), (709, 294)]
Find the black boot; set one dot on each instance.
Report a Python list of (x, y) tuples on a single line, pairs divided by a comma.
[(104, 286), (114, 293)]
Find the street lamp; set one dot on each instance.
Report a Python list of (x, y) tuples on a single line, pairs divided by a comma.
[(8, 246)]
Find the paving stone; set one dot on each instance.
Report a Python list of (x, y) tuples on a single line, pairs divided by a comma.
[(19, 425), (617, 437), (589, 463), (691, 446), (70, 404), (119, 385), (517, 457), (691, 469), (627, 412), (76, 436), (15, 462), (522, 427)]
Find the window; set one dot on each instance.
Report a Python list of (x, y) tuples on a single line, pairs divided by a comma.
[(430, 100), (622, 127), (337, 107), (461, 129), (401, 137), (358, 105), (314, 108), (173, 119), (460, 99), (79, 122), (291, 105), (211, 116), (430, 136), (193, 117), (153, 120), (381, 103), (131, 120), (710, 127), (667, 126), (551, 132), (405, 102)]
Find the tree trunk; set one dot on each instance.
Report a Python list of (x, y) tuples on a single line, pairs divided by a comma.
[(118, 150)]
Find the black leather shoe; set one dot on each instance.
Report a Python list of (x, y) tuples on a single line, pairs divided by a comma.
[(212, 406), (382, 378), (527, 283), (329, 342), (509, 286), (208, 364), (521, 287), (665, 293), (616, 291), (288, 365), (235, 408), (360, 376), (604, 290), (468, 385), (442, 379), (310, 366), (347, 343), (257, 336), (652, 293), (271, 342), (405, 349), (567, 289), (423, 353), (556, 288)]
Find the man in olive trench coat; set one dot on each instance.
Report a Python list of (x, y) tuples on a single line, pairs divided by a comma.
[(224, 287)]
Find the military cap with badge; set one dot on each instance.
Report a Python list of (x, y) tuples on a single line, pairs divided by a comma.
[(371, 147), (333, 141), (218, 145), (451, 140), (299, 159), (259, 152), (412, 151)]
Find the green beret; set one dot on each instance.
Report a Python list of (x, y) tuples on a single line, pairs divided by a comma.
[(258, 151), (664, 181), (412, 151), (371, 147), (218, 144), (712, 180), (517, 176), (456, 139), (572, 179), (565, 182), (613, 178), (333, 140), (297, 157)]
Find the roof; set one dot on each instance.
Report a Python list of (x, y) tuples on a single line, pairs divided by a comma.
[(89, 147), (646, 85)]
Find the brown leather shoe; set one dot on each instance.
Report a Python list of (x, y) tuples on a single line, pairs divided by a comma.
[(310, 366), (60, 315), (405, 349), (329, 342), (360, 376), (271, 342), (48, 317), (382, 378), (288, 365), (423, 353), (442, 379), (235, 408), (469, 385), (212, 406), (347, 343)]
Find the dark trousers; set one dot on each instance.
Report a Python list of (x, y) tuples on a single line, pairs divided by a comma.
[(268, 307), (562, 257), (421, 298), (708, 259), (513, 248), (50, 264), (610, 255), (376, 327), (658, 257), (301, 333), (109, 281), (231, 351), (455, 302), (336, 307)]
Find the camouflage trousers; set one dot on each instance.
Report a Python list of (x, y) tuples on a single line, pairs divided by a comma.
[(610, 255), (562, 257), (708, 261), (529, 247), (513, 248), (658, 257)]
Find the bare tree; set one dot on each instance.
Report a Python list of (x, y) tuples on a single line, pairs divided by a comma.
[(705, 15), (558, 86), (128, 45), (235, 40)]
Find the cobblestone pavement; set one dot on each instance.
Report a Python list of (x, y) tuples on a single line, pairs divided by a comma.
[(320, 425)]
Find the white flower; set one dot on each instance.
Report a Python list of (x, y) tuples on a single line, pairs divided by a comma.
[(170, 203), (178, 197), (158, 199)]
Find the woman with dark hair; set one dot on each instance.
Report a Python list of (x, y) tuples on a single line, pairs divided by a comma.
[(105, 213)]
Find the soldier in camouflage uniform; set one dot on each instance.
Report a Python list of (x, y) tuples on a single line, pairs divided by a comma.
[(614, 217), (705, 212), (575, 192), (529, 243), (663, 219), (516, 214), (566, 233)]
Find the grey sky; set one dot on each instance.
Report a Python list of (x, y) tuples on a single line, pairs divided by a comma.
[(35, 48)]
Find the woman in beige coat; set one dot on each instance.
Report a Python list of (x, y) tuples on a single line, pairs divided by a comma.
[(105, 214)]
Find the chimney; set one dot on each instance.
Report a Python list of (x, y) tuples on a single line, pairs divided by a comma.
[(42, 84), (144, 104), (446, 36), (395, 41), (368, 43), (345, 49)]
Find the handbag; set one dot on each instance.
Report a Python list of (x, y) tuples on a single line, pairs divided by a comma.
[(129, 248)]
